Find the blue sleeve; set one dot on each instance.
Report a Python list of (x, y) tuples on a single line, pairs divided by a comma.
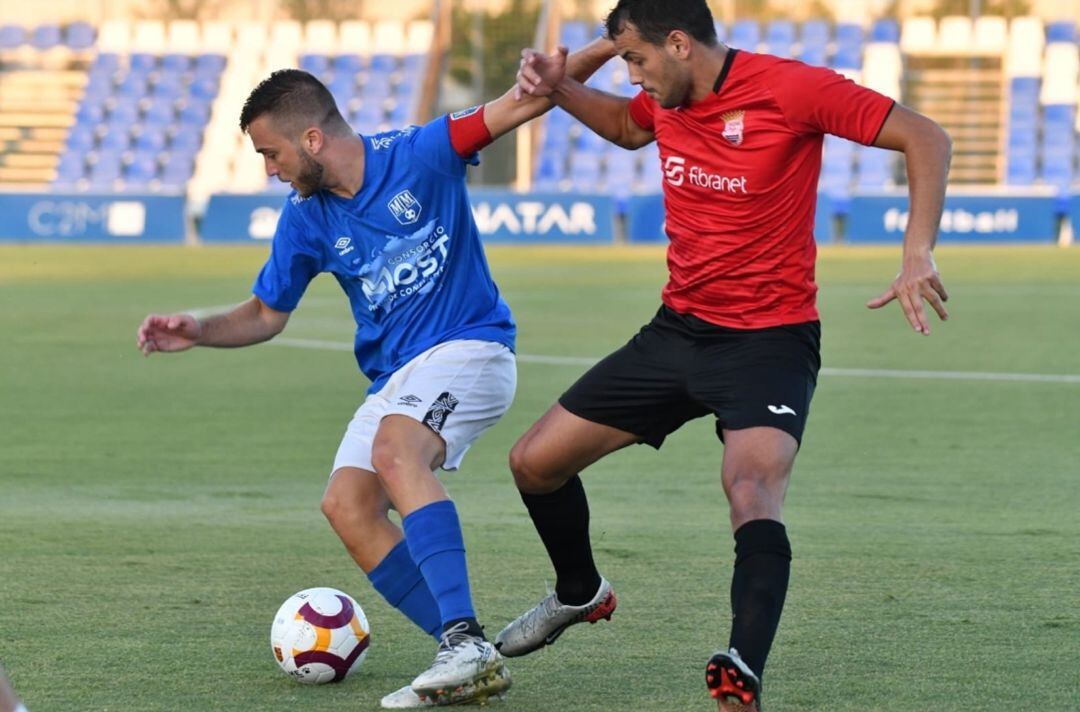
[(431, 146), (292, 264)]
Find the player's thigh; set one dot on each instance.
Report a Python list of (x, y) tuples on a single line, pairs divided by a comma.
[(764, 378), (559, 445), (456, 390), (640, 388)]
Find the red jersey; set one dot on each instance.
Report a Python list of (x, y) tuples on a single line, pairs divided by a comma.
[(740, 185)]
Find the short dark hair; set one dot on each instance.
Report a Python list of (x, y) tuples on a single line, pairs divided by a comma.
[(295, 100), (656, 20)]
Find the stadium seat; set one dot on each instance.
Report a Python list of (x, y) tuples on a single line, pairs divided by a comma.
[(814, 33), (779, 37), (209, 64), (388, 37), (919, 35), (216, 37), (46, 36), (320, 37), (183, 37), (721, 31), (418, 37), (143, 62), (885, 30), (745, 34), (80, 35), (286, 36), (851, 34), (148, 36), (114, 36), (954, 35), (990, 35), (1062, 31), (355, 36), (12, 36)]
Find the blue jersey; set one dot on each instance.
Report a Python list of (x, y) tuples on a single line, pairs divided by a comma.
[(404, 249)]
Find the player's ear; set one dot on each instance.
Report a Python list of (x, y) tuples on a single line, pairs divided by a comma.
[(678, 43), (313, 140)]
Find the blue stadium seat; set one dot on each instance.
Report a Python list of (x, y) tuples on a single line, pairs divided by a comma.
[(813, 55), (194, 113), (210, 64), (142, 62), (80, 139), (849, 34), (150, 139), (815, 33), (168, 86), (175, 63), (574, 34), (70, 170), (123, 113), (317, 64), (90, 114), (383, 63), (106, 62), (885, 30), (745, 34), (116, 141), (186, 140), (160, 112), (104, 170), (779, 37), (1021, 171), (847, 58), (721, 31), (348, 64), (80, 35), (46, 36), (177, 171), (141, 170), (12, 36), (875, 167), (1062, 31), (133, 85)]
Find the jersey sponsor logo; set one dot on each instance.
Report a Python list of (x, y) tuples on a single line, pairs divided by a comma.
[(733, 126), (675, 170), (409, 400), (379, 143), (465, 112), (404, 266), (676, 174), (439, 411), (781, 410), (343, 245), (405, 208)]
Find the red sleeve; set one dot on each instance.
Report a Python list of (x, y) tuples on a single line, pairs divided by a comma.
[(468, 132), (641, 110), (819, 100)]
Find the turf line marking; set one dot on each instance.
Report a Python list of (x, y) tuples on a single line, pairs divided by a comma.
[(848, 372)]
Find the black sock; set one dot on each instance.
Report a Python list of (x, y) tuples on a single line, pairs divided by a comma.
[(473, 629), (758, 588), (562, 520)]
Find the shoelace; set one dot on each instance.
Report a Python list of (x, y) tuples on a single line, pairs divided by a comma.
[(450, 639)]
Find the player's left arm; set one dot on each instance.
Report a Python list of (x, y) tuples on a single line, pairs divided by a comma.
[(927, 151), (514, 108)]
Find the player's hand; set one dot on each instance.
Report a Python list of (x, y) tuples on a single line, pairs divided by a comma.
[(918, 280), (176, 332), (539, 73)]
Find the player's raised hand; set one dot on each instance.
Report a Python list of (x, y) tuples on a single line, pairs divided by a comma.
[(539, 73), (918, 280), (175, 332)]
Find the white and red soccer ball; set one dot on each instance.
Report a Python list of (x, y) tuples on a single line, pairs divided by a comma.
[(320, 635)]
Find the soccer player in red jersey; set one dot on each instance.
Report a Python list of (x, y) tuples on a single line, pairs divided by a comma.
[(737, 335)]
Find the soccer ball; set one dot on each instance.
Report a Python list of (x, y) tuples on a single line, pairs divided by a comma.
[(320, 635)]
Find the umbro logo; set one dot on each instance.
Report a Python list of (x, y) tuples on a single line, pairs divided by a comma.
[(781, 410), (343, 245), (409, 400)]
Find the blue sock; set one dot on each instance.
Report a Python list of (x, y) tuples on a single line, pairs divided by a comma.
[(400, 582), (433, 534)]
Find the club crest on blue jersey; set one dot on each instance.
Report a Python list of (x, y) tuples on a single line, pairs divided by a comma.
[(405, 208)]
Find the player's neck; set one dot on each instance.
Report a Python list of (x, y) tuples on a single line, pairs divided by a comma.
[(706, 70), (345, 174)]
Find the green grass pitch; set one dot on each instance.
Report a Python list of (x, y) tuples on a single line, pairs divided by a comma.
[(155, 512)]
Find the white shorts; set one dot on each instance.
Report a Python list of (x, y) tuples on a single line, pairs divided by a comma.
[(459, 389)]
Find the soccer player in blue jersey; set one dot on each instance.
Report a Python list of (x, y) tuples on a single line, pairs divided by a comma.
[(388, 215)]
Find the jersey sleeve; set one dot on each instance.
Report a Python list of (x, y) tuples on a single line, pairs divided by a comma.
[(641, 108), (819, 100), (292, 264), (431, 146)]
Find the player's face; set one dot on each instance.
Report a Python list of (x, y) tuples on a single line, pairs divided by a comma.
[(653, 68), (285, 158)]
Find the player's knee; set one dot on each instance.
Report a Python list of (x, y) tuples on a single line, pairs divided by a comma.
[(525, 466), (353, 508), (754, 495)]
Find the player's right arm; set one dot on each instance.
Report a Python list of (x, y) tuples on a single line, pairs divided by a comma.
[(606, 114), (250, 322)]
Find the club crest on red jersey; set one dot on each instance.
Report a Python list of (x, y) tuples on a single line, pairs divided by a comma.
[(733, 126)]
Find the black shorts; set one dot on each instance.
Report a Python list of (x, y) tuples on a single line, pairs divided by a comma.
[(679, 367)]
